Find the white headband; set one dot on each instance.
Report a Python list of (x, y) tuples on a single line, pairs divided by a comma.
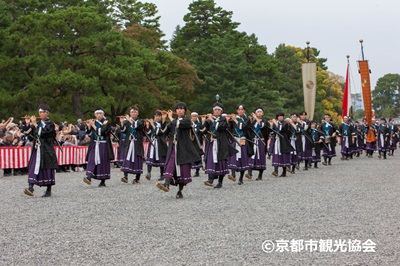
[(194, 113), (217, 108), (133, 110), (98, 111), (259, 110), (41, 110)]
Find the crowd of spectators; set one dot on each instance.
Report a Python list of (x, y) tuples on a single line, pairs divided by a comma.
[(14, 134)]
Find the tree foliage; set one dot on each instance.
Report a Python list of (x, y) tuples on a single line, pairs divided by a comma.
[(78, 57), (386, 96)]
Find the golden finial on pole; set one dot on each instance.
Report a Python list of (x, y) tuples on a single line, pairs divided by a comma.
[(362, 49), (308, 51)]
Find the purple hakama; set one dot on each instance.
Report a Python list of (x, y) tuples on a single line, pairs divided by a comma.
[(240, 161), (133, 163), (185, 176), (258, 160), (218, 168), (45, 177), (102, 170), (153, 158)]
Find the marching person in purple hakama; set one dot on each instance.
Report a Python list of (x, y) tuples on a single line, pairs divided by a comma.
[(218, 149), (157, 149), (240, 125), (181, 151), (370, 146), (393, 137), (383, 138), (121, 147), (282, 146), (260, 131), (134, 153), (296, 142), (43, 162), (306, 141), (330, 130), (100, 151), (197, 140), (317, 140), (347, 135)]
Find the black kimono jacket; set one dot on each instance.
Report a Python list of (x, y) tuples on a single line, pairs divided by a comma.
[(284, 132), (46, 138), (220, 126), (159, 135), (133, 129), (244, 126), (103, 132), (178, 130)]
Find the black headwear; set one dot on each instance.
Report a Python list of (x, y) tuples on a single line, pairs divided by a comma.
[(303, 113), (280, 113), (244, 107), (44, 107), (180, 105)]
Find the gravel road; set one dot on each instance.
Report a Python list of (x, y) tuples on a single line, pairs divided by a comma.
[(125, 224)]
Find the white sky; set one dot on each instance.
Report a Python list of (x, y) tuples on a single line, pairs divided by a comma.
[(333, 27)]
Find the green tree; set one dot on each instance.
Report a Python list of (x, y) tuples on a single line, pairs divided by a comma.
[(230, 63), (76, 59), (386, 96)]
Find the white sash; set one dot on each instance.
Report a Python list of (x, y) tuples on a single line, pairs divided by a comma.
[(38, 157), (239, 148), (256, 149), (97, 160), (215, 151), (178, 168), (131, 151), (277, 148)]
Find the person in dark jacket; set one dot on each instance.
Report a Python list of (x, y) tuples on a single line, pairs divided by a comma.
[(240, 126), (218, 147), (261, 129), (383, 138), (282, 147), (43, 162), (330, 131), (197, 140), (181, 151), (132, 126), (157, 149), (100, 151)]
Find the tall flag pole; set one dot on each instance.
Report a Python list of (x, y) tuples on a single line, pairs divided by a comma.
[(346, 103), (309, 74), (366, 91)]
